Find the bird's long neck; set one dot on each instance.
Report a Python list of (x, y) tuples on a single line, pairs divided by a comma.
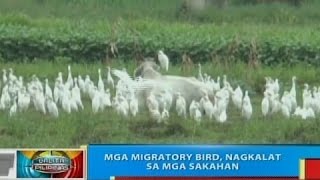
[(200, 73), (99, 75), (293, 83)]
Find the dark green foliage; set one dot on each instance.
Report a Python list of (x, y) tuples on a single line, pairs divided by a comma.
[(27, 43)]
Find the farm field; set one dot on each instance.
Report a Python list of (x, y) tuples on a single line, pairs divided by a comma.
[(33, 129), (43, 37)]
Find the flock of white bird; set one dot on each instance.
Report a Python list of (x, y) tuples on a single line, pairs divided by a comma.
[(18, 96), (287, 104)]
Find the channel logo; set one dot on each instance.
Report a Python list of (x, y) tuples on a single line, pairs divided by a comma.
[(50, 164)]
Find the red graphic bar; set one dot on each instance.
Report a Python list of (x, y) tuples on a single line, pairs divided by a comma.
[(312, 171), (206, 178)]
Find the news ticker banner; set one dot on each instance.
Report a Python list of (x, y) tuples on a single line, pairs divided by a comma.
[(200, 162), (170, 162)]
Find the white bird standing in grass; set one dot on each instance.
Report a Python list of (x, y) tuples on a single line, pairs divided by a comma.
[(76, 94), (285, 110), (222, 100), (286, 101), (91, 90), (216, 85), (165, 115), (316, 101), (65, 102), (12, 77), (269, 84), (310, 113), (105, 99), (52, 107), (306, 97), (225, 81), (194, 111), (276, 86), (19, 83), (70, 79), (96, 101), (133, 105), (275, 103), (223, 116), (47, 90), (293, 94), (100, 82), (197, 115), (181, 106), (200, 77), (155, 114), (5, 98), (208, 106), (123, 107), (304, 113), (56, 90), (298, 111), (23, 99), (265, 105), (88, 86), (110, 81), (152, 102), (13, 108), (163, 60), (167, 96), (60, 78), (153, 108), (246, 107), (192, 108), (73, 103), (236, 97), (81, 84), (4, 76), (37, 83), (39, 102)]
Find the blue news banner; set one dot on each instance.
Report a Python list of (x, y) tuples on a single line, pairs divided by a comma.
[(105, 161)]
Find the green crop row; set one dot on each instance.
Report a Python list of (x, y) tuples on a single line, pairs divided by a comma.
[(279, 12), (91, 42)]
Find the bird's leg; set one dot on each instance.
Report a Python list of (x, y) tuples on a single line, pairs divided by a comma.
[(193, 132), (127, 131)]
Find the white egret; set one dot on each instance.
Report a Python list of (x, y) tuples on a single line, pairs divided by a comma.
[(181, 106), (246, 107), (110, 81), (163, 60)]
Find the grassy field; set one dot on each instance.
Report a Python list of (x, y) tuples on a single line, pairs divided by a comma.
[(165, 10), (75, 29), (32, 129)]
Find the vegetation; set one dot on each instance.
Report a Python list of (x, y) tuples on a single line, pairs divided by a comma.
[(42, 36), (275, 33), (243, 11), (33, 129), (272, 44)]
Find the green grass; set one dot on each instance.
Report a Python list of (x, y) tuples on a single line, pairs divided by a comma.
[(31, 129), (23, 38), (167, 10)]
